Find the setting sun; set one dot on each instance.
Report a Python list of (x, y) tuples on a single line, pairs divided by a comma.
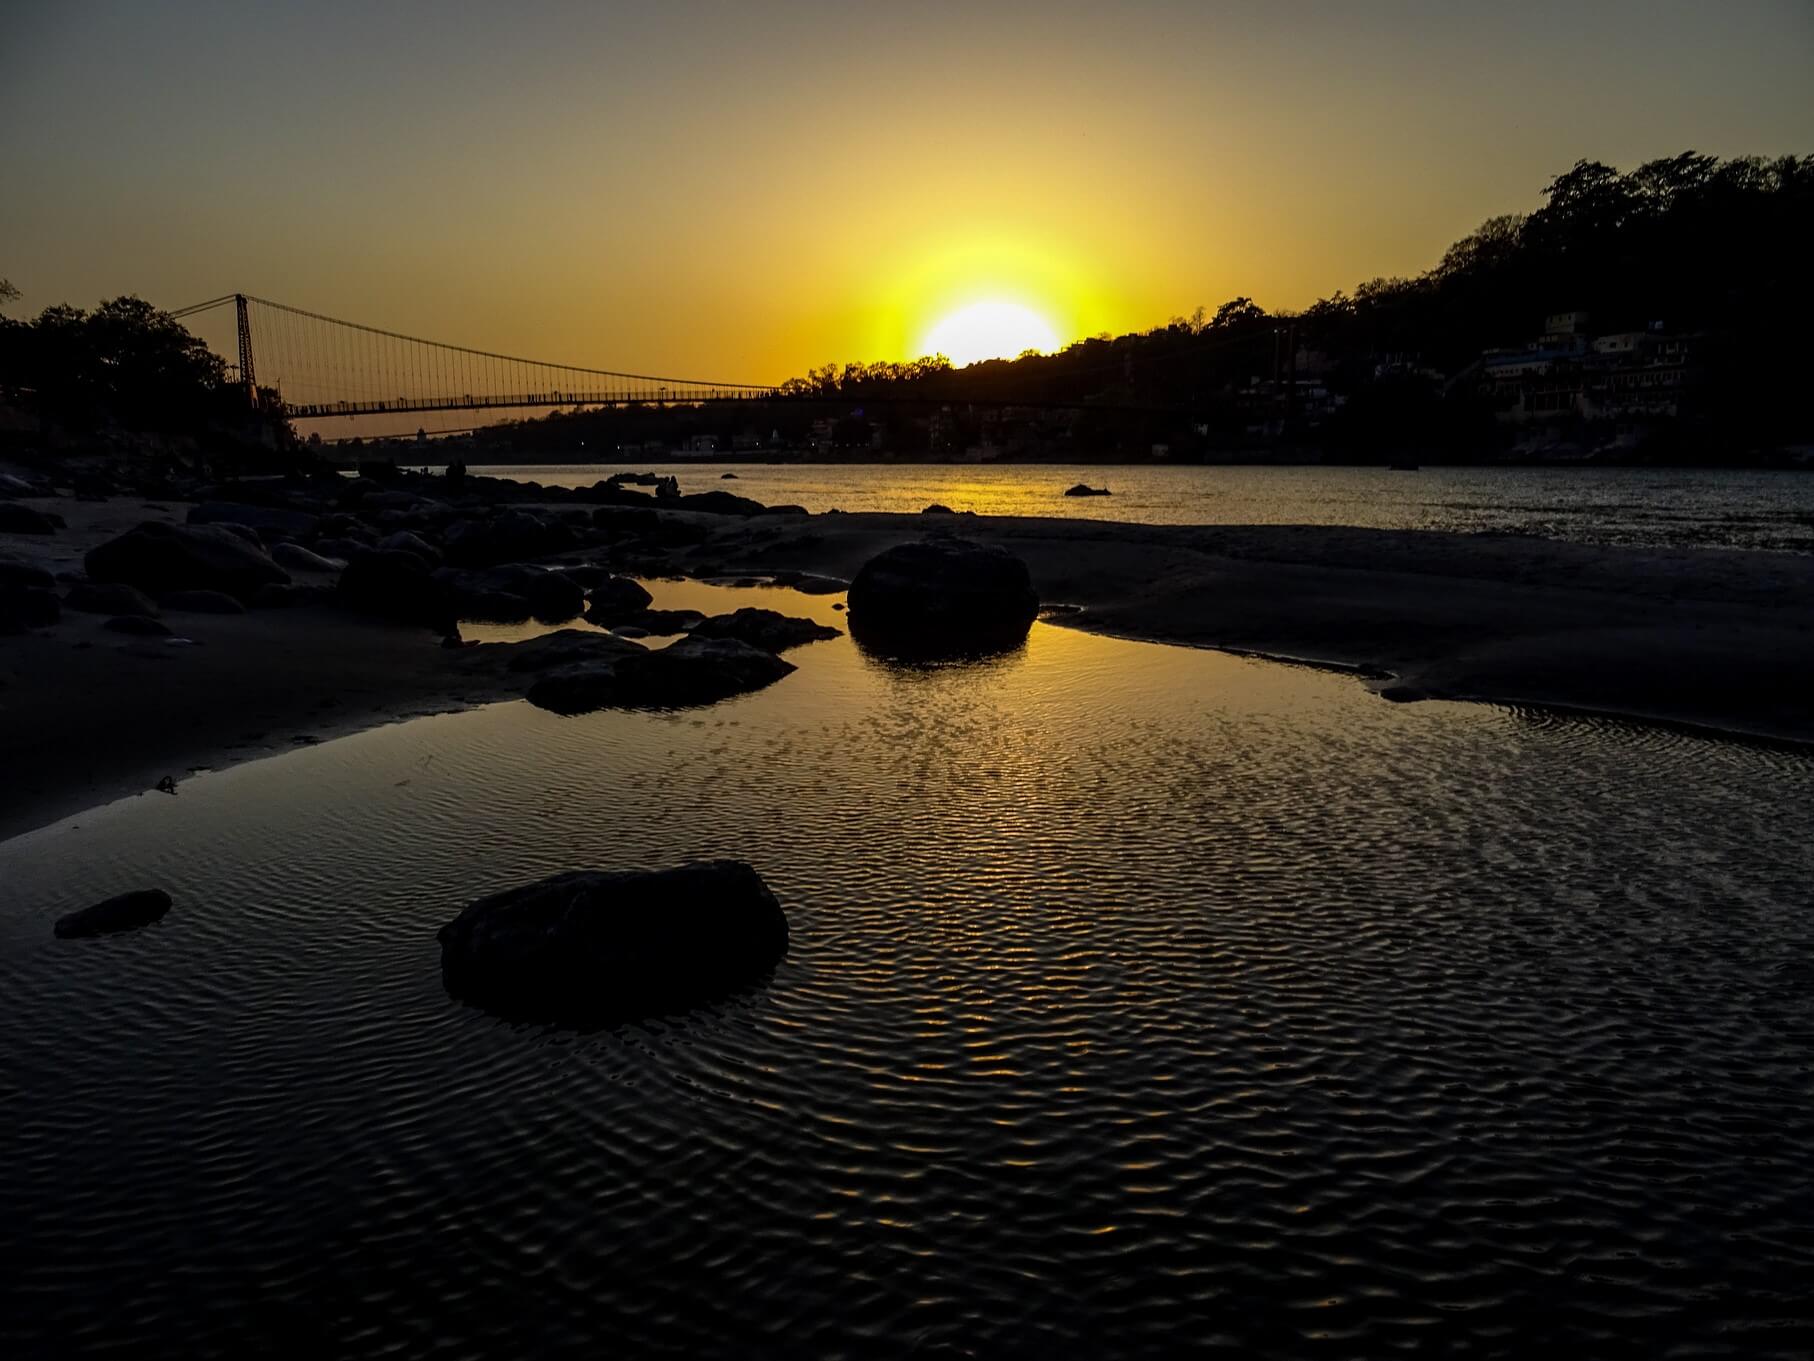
[(989, 330)]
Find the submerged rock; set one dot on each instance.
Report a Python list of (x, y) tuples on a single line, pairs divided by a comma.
[(592, 947), (158, 557), (141, 907), (769, 630), (942, 597)]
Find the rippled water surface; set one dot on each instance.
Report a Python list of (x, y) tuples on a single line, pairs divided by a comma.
[(1676, 508), (1141, 1002)]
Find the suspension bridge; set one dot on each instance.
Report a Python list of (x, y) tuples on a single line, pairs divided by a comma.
[(305, 366), (318, 367)]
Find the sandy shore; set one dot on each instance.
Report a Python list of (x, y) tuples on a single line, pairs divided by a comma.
[(1717, 639)]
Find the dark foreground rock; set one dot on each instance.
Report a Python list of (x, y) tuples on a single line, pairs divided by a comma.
[(692, 671), (299, 559), (158, 557), (512, 592), (942, 597), (28, 607), (202, 602), (138, 626), (591, 947), (124, 913), (89, 597), (18, 519), (395, 585), (769, 630)]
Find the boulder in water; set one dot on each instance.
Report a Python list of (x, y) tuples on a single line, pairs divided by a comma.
[(596, 947), (769, 630), (567, 647), (615, 599), (157, 557), (1084, 489), (692, 671), (942, 596), (125, 912)]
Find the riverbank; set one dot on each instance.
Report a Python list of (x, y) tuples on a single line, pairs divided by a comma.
[(1711, 638)]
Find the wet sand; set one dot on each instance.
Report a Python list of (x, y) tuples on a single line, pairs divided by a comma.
[(1712, 638)]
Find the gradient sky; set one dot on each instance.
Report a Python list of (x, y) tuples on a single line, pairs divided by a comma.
[(740, 191)]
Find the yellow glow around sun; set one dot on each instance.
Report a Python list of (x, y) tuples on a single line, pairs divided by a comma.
[(989, 330)]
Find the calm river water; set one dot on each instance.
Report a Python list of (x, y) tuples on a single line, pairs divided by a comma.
[(1141, 1002), (1679, 508)]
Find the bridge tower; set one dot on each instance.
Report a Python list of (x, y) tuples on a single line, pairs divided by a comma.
[(246, 375)]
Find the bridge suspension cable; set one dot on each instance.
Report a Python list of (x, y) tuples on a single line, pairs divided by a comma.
[(322, 366)]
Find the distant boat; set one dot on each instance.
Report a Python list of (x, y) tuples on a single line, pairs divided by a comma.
[(1084, 489)]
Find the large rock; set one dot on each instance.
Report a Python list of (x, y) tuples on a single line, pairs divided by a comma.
[(114, 597), (615, 600), (397, 586), (123, 913), (299, 559), (943, 596), (718, 503), (590, 947), (509, 536), (405, 542), (271, 520), (159, 557), (692, 671), (769, 630)]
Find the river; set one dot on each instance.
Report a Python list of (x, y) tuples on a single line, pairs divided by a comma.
[(1141, 1001), (1675, 508)]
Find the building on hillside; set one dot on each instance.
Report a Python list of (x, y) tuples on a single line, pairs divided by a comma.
[(1569, 372)]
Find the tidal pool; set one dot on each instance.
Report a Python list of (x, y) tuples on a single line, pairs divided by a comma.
[(1141, 1001)]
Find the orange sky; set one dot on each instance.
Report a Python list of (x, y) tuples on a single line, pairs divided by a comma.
[(741, 191)]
